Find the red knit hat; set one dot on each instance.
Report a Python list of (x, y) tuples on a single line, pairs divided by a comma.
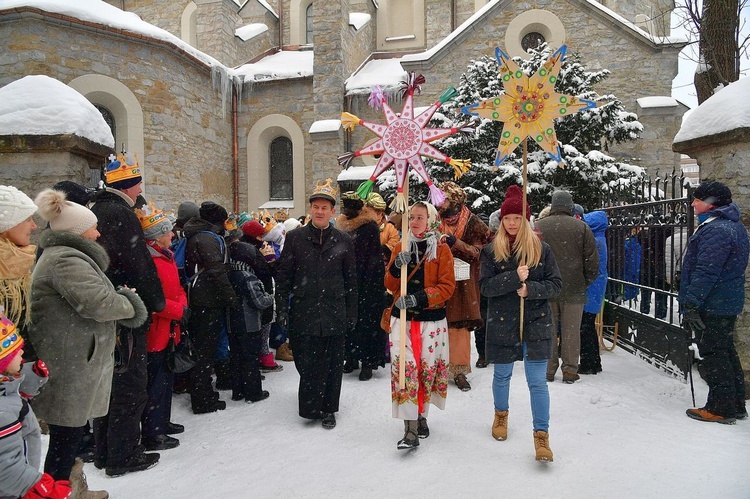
[(253, 228), (513, 203)]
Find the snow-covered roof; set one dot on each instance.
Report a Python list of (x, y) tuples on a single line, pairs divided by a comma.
[(268, 8), (356, 173), (250, 31), (40, 105), (728, 109), (325, 126), (279, 66), (387, 73), (358, 19), (467, 25), (99, 12), (657, 101)]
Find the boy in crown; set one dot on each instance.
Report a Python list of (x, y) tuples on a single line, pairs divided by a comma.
[(318, 272)]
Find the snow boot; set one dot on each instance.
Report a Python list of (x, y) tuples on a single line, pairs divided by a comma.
[(284, 353), (462, 383), (411, 438), (268, 365), (704, 415), (79, 486), (500, 425), (423, 431), (541, 444), (223, 375), (365, 373)]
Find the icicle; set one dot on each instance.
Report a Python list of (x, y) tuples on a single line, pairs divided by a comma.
[(349, 121), (365, 188), (399, 203), (376, 98), (437, 196), (225, 83), (448, 95), (460, 166), (345, 160)]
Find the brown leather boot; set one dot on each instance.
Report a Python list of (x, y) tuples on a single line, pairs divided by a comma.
[(500, 425), (284, 353), (541, 444), (80, 486)]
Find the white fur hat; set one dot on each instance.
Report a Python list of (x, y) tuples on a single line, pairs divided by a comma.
[(64, 215), (15, 207)]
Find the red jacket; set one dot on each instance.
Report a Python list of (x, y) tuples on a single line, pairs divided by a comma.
[(175, 297)]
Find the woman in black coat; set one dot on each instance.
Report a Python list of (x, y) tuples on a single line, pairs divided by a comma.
[(517, 267)]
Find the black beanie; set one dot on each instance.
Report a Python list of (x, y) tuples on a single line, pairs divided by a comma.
[(74, 192), (213, 213), (714, 193)]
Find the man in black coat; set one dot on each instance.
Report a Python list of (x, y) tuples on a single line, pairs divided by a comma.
[(210, 295), (117, 435), (317, 300)]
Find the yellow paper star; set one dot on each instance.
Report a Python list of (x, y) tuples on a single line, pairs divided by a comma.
[(528, 106)]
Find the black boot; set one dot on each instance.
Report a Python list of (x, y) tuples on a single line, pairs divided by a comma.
[(365, 373), (410, 440), (423, 431), (223, 375)]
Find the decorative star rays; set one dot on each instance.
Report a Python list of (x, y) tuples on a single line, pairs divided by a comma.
[(528, 106), (404, 139)]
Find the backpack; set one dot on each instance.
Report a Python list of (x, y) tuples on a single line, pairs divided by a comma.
[(179, 249)]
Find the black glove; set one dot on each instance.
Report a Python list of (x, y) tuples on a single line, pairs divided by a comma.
[(406, 301), (351, 323), (450, 240), (185, 318), (692, 321), (402, 259), (282, 319)]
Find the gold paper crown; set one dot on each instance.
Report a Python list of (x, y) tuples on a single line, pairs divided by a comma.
[(281, 215), (326, 190), (150, 215), (267, 221), (122, 167), (231, 223), (10, 340)]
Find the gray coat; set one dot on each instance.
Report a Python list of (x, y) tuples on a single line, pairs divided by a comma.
[(575, 250), (498, 281), (74, 307)]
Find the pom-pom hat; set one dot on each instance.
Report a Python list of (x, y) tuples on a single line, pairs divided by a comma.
[(64, 215), (123, 172), (513, 203), (10, 341), (15, 207), (325, 190)]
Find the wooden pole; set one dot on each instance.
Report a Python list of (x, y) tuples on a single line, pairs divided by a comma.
[(523, 209), (404, 274)]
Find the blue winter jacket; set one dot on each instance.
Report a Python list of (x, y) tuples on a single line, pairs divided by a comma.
[(713, 268), (597, 222)]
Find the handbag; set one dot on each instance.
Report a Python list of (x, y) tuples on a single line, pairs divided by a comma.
[(182, 357), (385, 317)]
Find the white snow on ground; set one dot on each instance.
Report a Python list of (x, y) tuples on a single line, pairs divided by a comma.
[(620, 434)]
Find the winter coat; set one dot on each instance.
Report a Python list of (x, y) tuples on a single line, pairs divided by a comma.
[(74, 307), (653, 255), (499, 282), (439, 280), (575, 251), (597, 222), (713, 268), (253, 300), (633, 258), (363, 229), (317, 281), (130, 263), (157, 337), (463, 307), (204, 252), (248, 251), (675, 249), (20, 438)]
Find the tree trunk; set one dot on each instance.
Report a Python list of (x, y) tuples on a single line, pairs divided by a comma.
[(719, 54)]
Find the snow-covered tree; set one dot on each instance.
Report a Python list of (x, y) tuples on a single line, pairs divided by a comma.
[(588, 171)]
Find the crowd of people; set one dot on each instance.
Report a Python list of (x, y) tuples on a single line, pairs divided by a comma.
[(115, 288)]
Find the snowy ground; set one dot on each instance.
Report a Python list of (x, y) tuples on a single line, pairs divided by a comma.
[(622, 433)]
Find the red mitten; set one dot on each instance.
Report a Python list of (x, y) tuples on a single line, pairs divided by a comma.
[(40, 368), (48, 488)]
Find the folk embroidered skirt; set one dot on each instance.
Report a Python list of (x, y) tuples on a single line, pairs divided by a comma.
[(426, 373)]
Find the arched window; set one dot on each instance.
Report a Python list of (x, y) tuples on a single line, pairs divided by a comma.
[(309, 24), (109, 118), (281, 177)]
